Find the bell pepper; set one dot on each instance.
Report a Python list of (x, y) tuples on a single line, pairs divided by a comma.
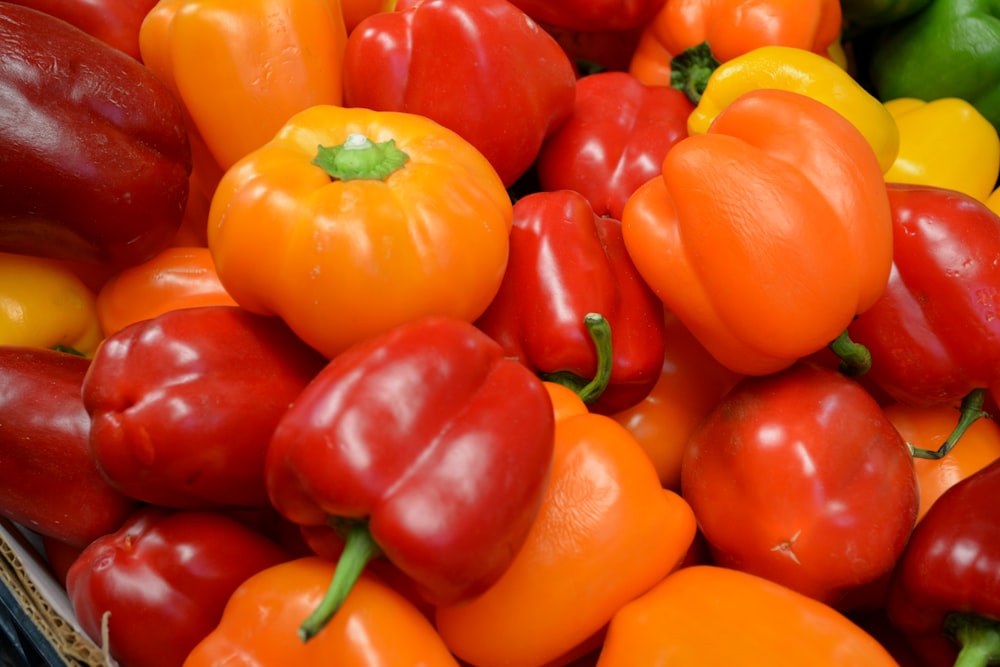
[(183, 405), (614, 139), (800, 478), (945, 590), (710, 615), (422, 444), (96, 159), (150, 591), (686, 39), (965, 157), (402, 210), (565, 262), (177, 277), (591, 15), (606, 533), (768, 233), (799, 71), (48, 480), (356, 11), (948, 49), (376, 627), (596, 51), (481, 68), (869, 13), (115, 22), (45, 304)]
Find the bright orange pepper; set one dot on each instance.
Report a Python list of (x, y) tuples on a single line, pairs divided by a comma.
[(709, 615), (732, 28), (356, 11), (175, 278), (690, 385), (606, 532), (376, 626)]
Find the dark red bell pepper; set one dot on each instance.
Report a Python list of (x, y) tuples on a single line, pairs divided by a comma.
[(565, 262), (422, 444), (48, 480), (614, 140), (115, 22), (183, 405), (161, 582), (591, 15), (481, 68), (95, 152), (945, 590)]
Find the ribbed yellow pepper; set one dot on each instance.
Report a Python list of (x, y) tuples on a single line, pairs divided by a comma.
[(947, 143), (44, 304), (806, 73)]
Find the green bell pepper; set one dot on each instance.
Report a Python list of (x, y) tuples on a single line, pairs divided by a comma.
[(949, 49), (879, 12)]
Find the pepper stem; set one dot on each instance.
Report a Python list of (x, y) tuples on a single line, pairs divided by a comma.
[(855, 359), (971, 410), (979, 638), (691, 70), (589, 391), (359, 548), (360, 157)]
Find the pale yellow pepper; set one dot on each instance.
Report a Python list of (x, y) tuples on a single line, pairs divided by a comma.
[(946, 143), (44, 304), (804, 72)]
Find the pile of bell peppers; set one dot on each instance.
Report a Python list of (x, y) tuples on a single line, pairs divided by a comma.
[(504, 332)]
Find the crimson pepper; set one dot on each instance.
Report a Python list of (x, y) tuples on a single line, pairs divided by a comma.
[(565, 262), (161, 582), (422, 444), (183, 405), (591, 15), (481, 68), (115, 22), (614, 140), (945, 590), (96, 157), (48, 480)]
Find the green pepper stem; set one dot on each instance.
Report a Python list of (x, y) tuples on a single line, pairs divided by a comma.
[(691, 69), (359, 548), (360, 158), (978, 637), (855, 359), (600, 333), (970, 411)]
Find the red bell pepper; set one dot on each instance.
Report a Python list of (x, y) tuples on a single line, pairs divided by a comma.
[(183, 405), (423, 444), (96, 157), (945, 590), (481, 68), (114, 22), (591, 15), (565, 262), (48, 480), (161, 582), (614, 140)]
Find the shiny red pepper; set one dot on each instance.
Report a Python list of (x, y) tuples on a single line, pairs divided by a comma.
[(565, 262), (425, 445), (591, 15), (115, 22)]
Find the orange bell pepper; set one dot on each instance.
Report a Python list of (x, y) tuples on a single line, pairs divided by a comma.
[(393, 217), (767, 234), (355, 11), (690, 385), (606, 532), (175, 278), (376, 626), (732, 28), (709, 615)]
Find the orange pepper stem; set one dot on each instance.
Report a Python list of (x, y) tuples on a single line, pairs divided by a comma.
[(855, 359), (359, 548), (589, 391), (978, 636), (691, 69), (360, 157), (971, 410)]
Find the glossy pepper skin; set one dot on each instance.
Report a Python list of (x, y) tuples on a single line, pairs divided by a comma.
[(567, 261), (110, 181), (183, 405), (115, 22), (591, 15), (781, 196), (946, 588), (429, 58), (933, 335), (163, 579), (427, 440), (48, 480)]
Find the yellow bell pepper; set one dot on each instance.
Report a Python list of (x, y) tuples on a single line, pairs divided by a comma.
[(993, 201), (946, 143), (44, 304), (807, 73)]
